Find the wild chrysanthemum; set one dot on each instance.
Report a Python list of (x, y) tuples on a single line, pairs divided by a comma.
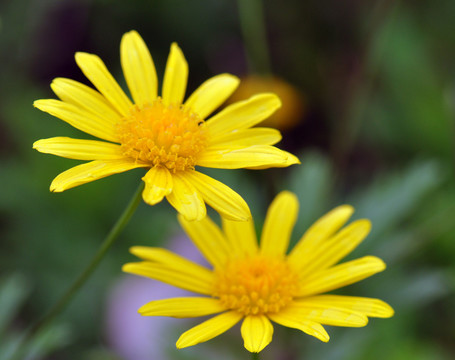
[(162, 133), (258, 283)]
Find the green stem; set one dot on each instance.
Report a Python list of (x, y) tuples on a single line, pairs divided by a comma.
[(252, 23), (255, 356), (83, 277)]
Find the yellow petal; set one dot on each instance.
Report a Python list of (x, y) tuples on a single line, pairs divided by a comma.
[(73, 92), (219, 196), (79, 118), (335, 248), (263, 156), (172, 261), (197, 281), (327, 314), (209, 329), (280, 220), (79, 149), (95, 70), (287, 318), (91, 171), (211, 94), (158, 184), (208, 238), (186, 199), (247, 137), (320, 231), (182, 307), (257, 332), (138, 68), (340, 275), (241, 236), (175, 77), (368, 306), (243, 114), (291, 160)]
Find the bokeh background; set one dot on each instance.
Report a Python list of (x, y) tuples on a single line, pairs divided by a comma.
[(369, 105)]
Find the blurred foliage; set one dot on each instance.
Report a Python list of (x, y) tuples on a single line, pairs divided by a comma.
[(378, 133), (14, 290)]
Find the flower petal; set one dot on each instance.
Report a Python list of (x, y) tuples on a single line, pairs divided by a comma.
[(76, 93), (91, 171), (247, 137), (243, 114), (320, 231), (368, 306), (182, 307), (186, 199), (241, 236), (336, 248), (79, 149), (79, 118), (158, 184), (171, 261), (209, 329), (258, 156), (327, 314), (138, 68), (340, 275), (257, 332), (95, 70), (278, 225), (219, 196), (175, 77), (291, 160), (192, 280), (287, 318), (211, 94), (208, 238)]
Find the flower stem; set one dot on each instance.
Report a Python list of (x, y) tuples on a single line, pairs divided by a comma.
[(255, 356), (252, 23), (85, 274)]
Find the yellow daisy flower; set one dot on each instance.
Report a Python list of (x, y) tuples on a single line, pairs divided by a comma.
[(162, 133), (263, 283)]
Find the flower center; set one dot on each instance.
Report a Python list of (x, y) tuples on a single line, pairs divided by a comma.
[(170, 136), (256, 285)]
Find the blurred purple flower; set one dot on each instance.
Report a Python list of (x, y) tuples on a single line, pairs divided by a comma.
[(136, 337)]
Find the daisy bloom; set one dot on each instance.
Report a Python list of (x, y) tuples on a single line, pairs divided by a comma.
[(164, 134), (257, 284)]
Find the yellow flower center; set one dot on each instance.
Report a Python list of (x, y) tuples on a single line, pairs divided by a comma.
[(255, 286), (170, 136)]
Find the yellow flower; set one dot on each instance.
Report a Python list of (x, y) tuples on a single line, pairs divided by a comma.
[(293, 106), (162, 133), (264, 283)]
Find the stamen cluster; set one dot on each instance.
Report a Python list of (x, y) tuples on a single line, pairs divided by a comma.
[(170, 136), (255, 286)]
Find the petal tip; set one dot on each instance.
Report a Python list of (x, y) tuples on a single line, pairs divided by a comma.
[(80, 55), (389, 311), (135, 250), (130, 37), (131, 33), (39, 104), (180, 344), (56, 188), (293, 160), (365, 225), (128, 268)]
